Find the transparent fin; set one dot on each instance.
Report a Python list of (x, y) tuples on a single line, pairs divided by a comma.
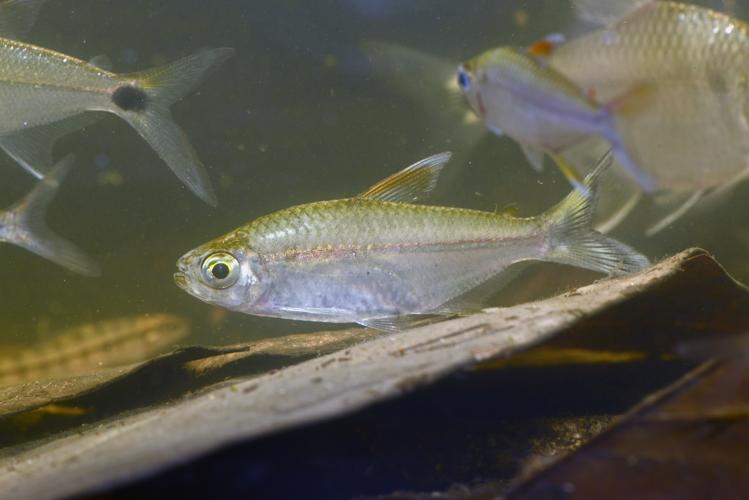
[(571, 174), (394, 324), (431, 82), (620, 215), (676, 214), (476, 299), (534, 155), (32, 147), (629, 104), (164, 86), (573, 241), (410, 184), (101, 61), (31, 232), (18, 16)]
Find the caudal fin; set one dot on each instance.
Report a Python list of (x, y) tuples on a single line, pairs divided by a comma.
[(27, 227), (146, 108), (572, 239)]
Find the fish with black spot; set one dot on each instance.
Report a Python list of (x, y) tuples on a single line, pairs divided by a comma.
[(45, 94)]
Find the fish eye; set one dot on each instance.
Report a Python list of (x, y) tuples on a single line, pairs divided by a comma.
[(464, 79), (220, 270)]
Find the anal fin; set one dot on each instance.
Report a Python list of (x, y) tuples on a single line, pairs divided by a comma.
[(676, 214), (535, 157), (32, 147)]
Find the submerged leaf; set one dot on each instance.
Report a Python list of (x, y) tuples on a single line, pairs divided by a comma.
[(139, 443)]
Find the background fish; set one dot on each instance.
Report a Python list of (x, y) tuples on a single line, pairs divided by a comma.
[(377, 258), (94, 346), (23, 225), (40, 87), (690, 130), (517, 94)]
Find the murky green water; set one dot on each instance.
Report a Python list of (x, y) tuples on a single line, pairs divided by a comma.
[(295, 116)]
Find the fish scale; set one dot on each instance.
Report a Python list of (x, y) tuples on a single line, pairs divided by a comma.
[(659, 41), (360, 223)]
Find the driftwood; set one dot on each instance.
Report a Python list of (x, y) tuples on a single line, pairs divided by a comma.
[(689, 292)]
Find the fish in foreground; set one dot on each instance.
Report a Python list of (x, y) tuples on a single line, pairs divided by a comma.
[(44, 94), (689, 130), (379, 259), (516, 93), (92, 347), (23, 224)]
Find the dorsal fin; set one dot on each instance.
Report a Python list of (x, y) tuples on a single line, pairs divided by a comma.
[(410, 184), (545, 47), (102, 61)]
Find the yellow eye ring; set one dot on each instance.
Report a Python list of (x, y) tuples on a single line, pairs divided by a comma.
[(220, 270)]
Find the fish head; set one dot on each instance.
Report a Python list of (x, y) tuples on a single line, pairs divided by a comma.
[(491, 80), (468, 84), (224, 272)]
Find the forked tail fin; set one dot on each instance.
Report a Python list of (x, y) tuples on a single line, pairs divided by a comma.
[(26, 227), (572, 239), (146, 108)]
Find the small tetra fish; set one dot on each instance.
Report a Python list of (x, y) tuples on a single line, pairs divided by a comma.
[(43, 95), (378, 259), (518, 94), (23, 224)]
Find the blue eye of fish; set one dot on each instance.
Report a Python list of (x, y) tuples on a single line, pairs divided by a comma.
[(464, 80)]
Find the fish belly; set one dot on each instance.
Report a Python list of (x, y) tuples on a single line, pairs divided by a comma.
[(537, 123), (391, 283)]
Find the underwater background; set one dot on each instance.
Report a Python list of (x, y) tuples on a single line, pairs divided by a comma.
[(297, 115)]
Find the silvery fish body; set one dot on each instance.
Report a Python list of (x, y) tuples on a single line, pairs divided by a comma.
[(690, 129), (374, 259), (43, 95), (516, 93)]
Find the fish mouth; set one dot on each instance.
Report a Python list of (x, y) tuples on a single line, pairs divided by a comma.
[(180, 280)]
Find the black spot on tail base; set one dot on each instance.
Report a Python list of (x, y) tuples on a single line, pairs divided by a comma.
[(129, 98)]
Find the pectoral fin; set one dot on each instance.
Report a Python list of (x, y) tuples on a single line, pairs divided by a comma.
[(676, 214), (394, 324), (535, 157), (410, 184)]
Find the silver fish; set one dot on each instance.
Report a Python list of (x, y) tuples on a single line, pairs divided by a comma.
[(378, 259), (23, 224), (43, 94)]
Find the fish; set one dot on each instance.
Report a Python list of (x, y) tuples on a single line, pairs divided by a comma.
[(44, 94), (23, 224), (93, 346), (516, 93), (381, 259), (690, 130)]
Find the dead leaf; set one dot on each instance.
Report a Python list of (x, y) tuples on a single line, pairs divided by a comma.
[(661, 300)]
